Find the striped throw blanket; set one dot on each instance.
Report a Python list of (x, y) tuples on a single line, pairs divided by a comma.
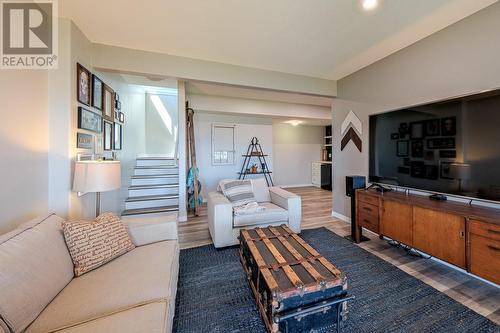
[(238, 192)]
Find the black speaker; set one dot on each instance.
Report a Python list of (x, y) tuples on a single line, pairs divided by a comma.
[(352, 183)]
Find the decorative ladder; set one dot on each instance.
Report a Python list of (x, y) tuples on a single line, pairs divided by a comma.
[(154, 188), (255, 150)]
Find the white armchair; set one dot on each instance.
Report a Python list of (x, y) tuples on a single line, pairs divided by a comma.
[(281, 207)]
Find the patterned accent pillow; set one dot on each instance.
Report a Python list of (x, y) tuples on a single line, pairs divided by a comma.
[(92, 244), (238, 192)]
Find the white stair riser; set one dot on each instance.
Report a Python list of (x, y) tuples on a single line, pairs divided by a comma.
[(155, 162), (151, 203), (155, 181), (153, 191), (148, 172), (162, 214)]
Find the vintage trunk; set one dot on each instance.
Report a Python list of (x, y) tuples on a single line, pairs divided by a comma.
[(296, 289)]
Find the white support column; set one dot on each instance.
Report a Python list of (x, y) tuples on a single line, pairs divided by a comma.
[(181, 86)]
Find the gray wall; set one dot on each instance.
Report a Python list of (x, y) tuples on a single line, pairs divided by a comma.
[(295, 148), (461, 59)]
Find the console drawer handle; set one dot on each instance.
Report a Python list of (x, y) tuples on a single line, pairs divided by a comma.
[(494, 248), (367, 209), (491, 231)]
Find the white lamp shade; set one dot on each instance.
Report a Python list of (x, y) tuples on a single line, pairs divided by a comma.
[(97, 176), (460, 171)]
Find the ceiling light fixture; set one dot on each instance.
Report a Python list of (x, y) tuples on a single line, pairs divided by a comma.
[(294, 122), (370, 4)]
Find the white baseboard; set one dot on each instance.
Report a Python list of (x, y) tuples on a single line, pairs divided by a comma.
[(295, 185), (341, 217)]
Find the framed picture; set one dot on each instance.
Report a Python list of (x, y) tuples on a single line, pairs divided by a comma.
[(403, 130), (108, 100), (417, 148), (99, 145), (406, 161), (417, 130), (417, 169), (108, 135), (394, 136), (404, 170), (449, 126), (432, 127), (121, 117), (445, 170), (429, 155), (402, 148), (96, 92), (83, 84), (431, 172), (441, 143), (84, 141), (89, 120), (448, 154), (117, 137)]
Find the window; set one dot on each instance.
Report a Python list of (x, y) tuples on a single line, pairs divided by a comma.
[(223, 144)]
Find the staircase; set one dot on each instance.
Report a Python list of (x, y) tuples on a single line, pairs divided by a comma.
[(154, 187)]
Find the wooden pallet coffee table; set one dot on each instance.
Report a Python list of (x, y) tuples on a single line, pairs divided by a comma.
[(296, 289)]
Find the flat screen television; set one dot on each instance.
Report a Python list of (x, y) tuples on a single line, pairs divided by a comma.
[(450, 147)]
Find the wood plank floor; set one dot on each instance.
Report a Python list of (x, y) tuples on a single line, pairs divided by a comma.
[(316, 212)]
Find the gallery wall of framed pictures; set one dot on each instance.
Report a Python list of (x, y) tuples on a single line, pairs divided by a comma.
[(100, 116), (426, 148)]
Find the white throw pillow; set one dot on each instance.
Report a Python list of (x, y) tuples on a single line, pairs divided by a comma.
[(238, 192), (261, 190)]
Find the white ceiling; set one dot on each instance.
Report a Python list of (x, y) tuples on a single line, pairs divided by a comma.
[(319, 38)]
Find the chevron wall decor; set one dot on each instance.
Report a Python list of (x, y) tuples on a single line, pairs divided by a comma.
[(350, 128)]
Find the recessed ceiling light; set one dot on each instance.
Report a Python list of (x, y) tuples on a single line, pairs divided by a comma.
[(294, 122), (370, 4)]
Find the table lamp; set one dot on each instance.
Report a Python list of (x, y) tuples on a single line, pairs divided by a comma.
[(97, 177), (460, 171)]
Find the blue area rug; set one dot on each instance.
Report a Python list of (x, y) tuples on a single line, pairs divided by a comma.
[(213, 294)]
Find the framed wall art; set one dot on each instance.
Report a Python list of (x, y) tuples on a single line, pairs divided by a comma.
[(417, 130), (108, 135), (429, 155), (97, 92), (117, 137), (404, 170), (448, 154), (402, 148), (84, 141), (432, 127), (89, 120), (403, 130), (449, 126), (431, 172), (417, 169), (108, 99), (441, 143), (417, 148), (121, 117), (83, 77)]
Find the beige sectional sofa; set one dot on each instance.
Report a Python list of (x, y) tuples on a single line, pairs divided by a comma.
[(132, 293)]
